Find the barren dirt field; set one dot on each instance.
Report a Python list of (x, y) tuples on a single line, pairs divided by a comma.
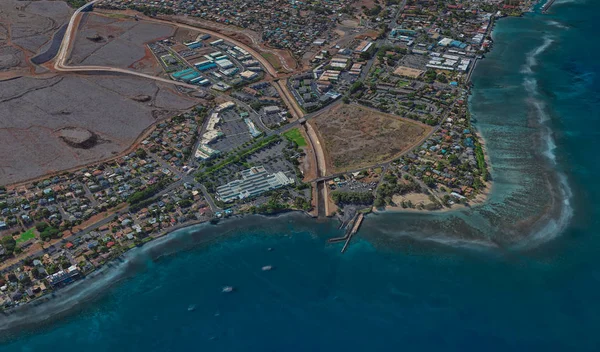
[(355, 137), (117, 42), (26, 28), (52, 124)]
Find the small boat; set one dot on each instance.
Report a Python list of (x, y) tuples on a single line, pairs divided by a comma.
[(270, 249), (191, 307), (227, 289), (267, 268)]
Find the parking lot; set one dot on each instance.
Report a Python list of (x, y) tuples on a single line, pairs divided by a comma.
[(355, 186), (235, 130)]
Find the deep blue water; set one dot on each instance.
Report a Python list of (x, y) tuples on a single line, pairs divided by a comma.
[(387, 293)]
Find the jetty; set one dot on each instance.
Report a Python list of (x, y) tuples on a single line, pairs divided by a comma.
[(547, 6), (351, 228)]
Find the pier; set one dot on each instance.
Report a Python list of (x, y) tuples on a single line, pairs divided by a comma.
[(351, 228)]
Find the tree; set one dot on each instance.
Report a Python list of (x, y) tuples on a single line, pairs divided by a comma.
[(141, 153), (41, 226), (9, 243), (185, 203), (429, 181)]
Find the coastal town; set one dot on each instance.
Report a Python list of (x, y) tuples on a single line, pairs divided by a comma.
[(335, 109)]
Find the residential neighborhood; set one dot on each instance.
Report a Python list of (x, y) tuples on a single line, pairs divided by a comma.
[(375, 116)]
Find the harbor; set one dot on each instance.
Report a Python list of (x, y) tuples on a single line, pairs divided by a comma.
[(351, 228)]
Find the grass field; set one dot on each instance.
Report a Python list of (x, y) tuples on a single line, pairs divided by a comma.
[(25, 236), (296, 136), (273, 60)]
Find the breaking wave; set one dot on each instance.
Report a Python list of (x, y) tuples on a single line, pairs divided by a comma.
[(557, 24), (554, 226), (531, 61), (569, 2)]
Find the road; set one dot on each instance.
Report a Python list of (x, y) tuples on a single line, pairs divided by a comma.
[(394, 23), (185, 178)]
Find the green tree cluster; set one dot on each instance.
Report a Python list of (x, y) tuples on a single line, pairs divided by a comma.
[(46, 231), (363, 198), (9, 244)]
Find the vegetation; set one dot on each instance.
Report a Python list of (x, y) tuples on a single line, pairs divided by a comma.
[(356, 86), (141, 153), (430, 76), (241, 156), (391, 187), (273, 206), (76, 3), (150, 191), (295, 136), (9, 244), (481, 161), (46, 231), (302, 203), (363, 198), (26, 236)]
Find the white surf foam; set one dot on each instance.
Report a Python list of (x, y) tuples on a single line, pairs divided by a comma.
[(569, 2), (531, 60), (557, 24), (553, 227)]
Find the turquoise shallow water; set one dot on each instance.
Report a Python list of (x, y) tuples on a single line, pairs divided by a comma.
[(391, 291)]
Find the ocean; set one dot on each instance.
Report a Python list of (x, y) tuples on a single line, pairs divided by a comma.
[(520, 272)]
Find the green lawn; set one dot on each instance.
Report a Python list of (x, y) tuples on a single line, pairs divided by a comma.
[(25, 236), (296, 136)]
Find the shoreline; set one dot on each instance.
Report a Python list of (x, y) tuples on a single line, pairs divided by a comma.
[(47, 309), (124, 262)]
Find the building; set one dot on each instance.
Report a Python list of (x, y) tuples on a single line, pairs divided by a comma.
[(194, 45), (205, 152), (254, 132), (254, 182), (269, 110), (224, 64), (225, 106), (205, 65), (64, 277), (249, 75)]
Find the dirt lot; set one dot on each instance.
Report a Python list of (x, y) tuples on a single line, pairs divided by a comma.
[(117, 42), (355, 136), (57, 123), (407, 72), (26, 27)]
